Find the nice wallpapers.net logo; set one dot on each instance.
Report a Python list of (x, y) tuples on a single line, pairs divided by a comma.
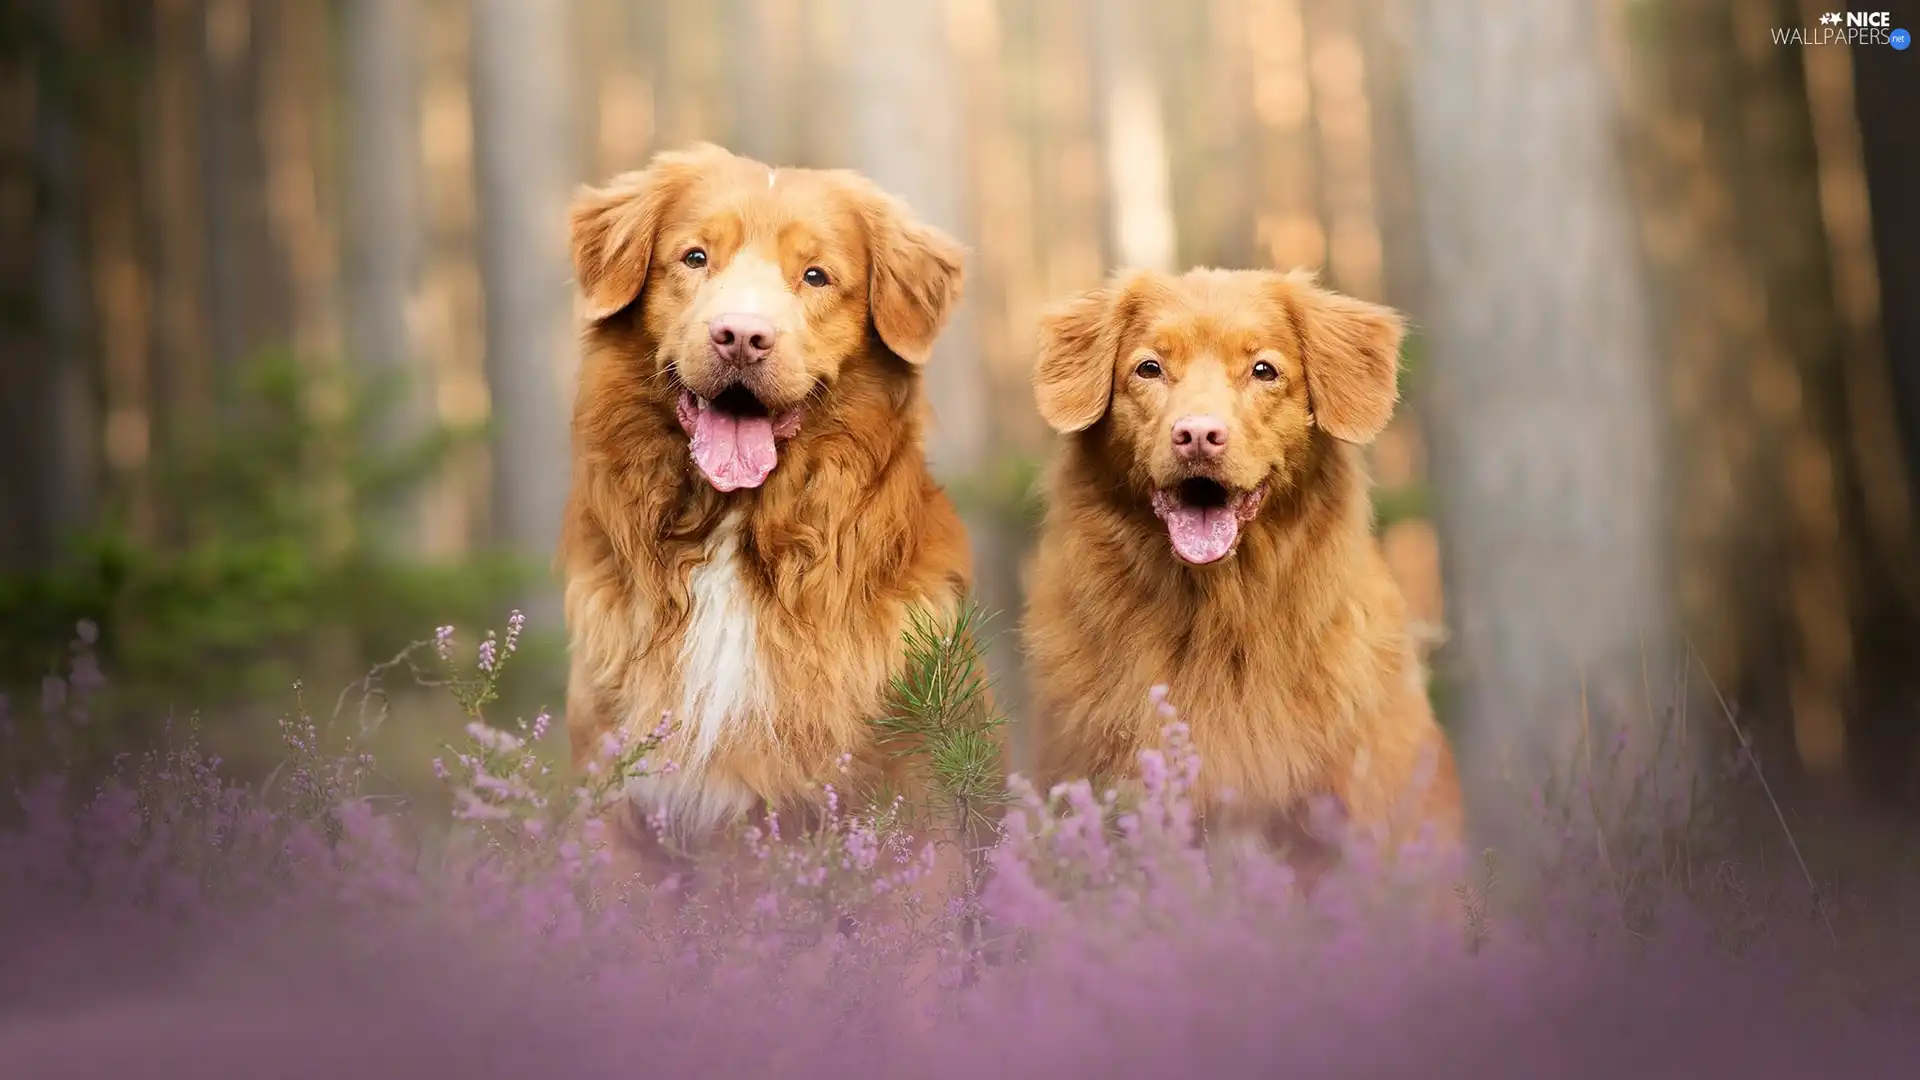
[(1847, 28)]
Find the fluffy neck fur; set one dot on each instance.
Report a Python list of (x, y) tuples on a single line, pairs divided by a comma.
[(1300, 622), (858, 447)]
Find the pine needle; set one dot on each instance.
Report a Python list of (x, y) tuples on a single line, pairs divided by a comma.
[(941, 710)]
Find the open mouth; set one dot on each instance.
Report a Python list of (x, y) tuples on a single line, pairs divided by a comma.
[(734, 436), (1203, 517)]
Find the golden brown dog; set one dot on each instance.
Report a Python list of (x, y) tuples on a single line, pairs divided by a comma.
[(1209, 529), (751, 517)]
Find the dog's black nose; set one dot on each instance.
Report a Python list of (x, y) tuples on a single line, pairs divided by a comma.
[(1199, 438), (741, 339)]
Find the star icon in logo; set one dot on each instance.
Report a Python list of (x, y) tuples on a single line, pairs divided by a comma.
[(1831, 18)]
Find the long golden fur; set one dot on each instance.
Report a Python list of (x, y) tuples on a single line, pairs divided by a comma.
[(1244, 577), (763, 611)]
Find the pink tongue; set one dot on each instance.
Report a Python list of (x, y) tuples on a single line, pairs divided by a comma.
[(1202, 534), (733, 451)]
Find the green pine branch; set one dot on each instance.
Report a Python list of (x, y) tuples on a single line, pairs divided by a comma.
[(942, 711)]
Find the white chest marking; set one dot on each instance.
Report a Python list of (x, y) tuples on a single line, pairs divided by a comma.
[(693, 804), (721, 681)]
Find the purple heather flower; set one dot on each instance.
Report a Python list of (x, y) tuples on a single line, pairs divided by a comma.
[(1158, 696), (443, 642), (610, 746), (1153, 770), (515, 622), (473, 808), (486, 653)]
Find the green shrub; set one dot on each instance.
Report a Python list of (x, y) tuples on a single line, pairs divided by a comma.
[(267, 564)]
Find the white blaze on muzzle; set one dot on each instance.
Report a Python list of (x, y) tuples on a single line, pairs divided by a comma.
[(734, 449), (751, 284)]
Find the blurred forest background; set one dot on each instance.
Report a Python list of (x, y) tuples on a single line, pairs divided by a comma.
[(288, 332)]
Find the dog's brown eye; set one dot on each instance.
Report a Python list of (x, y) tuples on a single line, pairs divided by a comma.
[(1147, 369), (695, 258), (815, 277), (1265, 372)]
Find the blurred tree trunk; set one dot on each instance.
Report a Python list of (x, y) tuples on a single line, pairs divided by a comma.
[(384, 234), (1891, 144), (1715, 341), (248, 285), (522, 151), (1003, 284), (452, 334), (120, 263), (50, 471), (1545, 422), (1291, 227), (1002, 293), (66, 454), (909, 137), (626, 97), (294, 121), (1793, 532), (1211, 143), (1884, 99), (223, 36), (748, 57), (822, 137), (594, 42), (693, 85), (1071, 187), (1869, 154), (1390, 137), (1337, 72), (175, 210), (1397, 459), (1130, 110), (1796, 376)]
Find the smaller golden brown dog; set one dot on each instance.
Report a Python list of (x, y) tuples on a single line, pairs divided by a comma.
[(1209, 529)]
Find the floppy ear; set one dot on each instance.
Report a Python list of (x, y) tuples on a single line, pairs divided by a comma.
[(914, 281), (1079, 344), (614, 228), (1350, 350)]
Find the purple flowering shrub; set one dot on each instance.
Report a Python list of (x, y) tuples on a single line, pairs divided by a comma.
[(158, 916)]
